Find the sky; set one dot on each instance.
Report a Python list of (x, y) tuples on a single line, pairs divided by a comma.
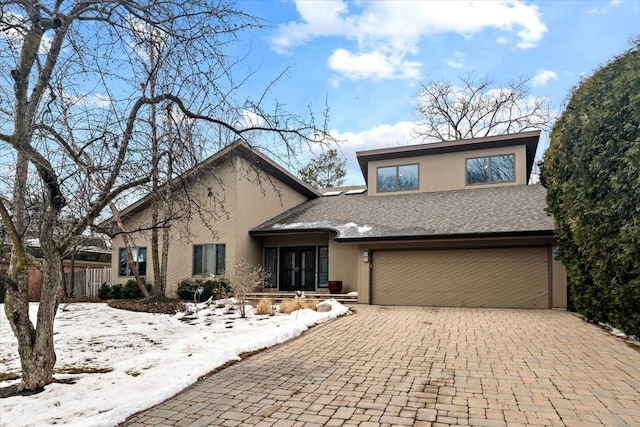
[(366, 60)]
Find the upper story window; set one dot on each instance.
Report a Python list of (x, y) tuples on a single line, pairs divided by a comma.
[(398, 178), (139, 259), (485, 170), (208, 259)]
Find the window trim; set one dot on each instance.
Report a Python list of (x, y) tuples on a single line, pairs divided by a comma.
[(120, 249), (397, 180), (490, 181)]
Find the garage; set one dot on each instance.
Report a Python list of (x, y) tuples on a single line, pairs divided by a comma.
[(501, 277)]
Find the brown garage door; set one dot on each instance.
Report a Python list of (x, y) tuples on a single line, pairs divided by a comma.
[(510, 277)]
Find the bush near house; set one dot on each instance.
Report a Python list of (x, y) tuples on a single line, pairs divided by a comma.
[(217, 288), (129, 290), (592, 175)]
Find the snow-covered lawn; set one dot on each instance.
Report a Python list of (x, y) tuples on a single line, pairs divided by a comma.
[(137, 359)]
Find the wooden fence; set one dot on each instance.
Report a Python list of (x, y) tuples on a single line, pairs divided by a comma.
[(87, 282)]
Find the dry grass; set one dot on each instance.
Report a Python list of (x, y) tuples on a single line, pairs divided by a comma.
[(265, 306), (289, 305)]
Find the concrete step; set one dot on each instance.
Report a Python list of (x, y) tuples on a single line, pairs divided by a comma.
[(279, 296)]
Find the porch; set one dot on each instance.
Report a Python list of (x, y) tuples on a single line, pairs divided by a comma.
[(276, 296)]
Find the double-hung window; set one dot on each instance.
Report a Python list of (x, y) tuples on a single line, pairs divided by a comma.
[(139, 259), (208, 259), (397, 178), (490, 169)]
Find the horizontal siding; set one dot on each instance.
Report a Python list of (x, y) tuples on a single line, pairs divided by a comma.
[(514, 278)]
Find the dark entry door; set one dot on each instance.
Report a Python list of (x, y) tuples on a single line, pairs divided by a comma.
[(298, 269)]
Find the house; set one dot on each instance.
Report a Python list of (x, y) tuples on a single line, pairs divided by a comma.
[(439, 224), (89, 258)]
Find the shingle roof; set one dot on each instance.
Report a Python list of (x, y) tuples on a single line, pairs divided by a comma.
[(479, 211)]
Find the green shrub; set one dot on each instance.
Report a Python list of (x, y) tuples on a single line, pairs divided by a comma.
[(116, 291), (130, 290), (104, 292), (591, 174), (216, 288)]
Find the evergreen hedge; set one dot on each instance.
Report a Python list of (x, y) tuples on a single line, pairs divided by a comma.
[(592, 175), (130, 290)]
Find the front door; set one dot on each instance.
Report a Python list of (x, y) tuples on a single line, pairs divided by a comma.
[(298, 269)]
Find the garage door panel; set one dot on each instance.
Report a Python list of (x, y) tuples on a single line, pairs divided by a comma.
[(513, 277)]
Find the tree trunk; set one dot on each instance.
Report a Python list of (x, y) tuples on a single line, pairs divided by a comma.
[(35, 345), (158, 288)]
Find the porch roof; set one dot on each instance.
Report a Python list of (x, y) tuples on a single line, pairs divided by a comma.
[(482, 212)]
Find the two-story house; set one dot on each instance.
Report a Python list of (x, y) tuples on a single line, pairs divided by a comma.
[(439, 224)]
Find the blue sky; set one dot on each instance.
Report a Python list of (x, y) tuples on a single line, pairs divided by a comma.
[(368, 59)]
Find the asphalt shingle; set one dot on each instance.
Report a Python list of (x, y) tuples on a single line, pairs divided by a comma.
[(507, 209)]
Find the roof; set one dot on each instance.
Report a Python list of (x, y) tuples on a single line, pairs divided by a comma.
[(489, 212), (530, 139), (238, 148)]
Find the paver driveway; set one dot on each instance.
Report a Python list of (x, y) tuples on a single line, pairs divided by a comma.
[(424, 366)]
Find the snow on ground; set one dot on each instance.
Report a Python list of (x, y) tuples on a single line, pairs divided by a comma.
[(149, 358)]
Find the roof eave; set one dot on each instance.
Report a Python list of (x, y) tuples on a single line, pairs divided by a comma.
[(490, 235)]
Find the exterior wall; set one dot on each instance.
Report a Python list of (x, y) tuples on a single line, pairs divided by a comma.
[(559, 280), (444, 172), (218, 226), (236, 197), (259, 198), (344, 261)]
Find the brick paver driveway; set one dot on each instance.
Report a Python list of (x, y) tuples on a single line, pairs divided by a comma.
[(424, 366)]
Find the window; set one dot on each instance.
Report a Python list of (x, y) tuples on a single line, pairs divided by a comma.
[(483, 170), (139, 258), (271, 266), (398, 178), (208, 260), (323, 266)]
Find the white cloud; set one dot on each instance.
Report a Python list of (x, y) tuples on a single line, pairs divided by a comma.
[(456, 60), (98, 100), (387, 32), (249, 119), (543, 77), (382, 136), (375, 65)]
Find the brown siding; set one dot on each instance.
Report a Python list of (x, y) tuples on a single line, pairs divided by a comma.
[(514, 278), (217, 226), (260, 198), (344, 261), (443, 172), (559, 294)]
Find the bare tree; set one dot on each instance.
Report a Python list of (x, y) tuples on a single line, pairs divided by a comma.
[(477, 108), (244, 279), (70, 91)]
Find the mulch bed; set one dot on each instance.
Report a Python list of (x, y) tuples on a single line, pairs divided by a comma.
[(163, 306)]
